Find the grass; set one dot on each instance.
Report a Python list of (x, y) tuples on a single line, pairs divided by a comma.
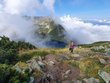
[(44, 51), (26, 55), (90, 66)]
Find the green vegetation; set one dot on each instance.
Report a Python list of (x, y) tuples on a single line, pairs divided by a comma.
[(15, 58), (9, 55), (10, 75)]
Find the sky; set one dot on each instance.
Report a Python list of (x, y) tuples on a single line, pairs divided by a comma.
[(87, 9), (83, 8), (84, 21)]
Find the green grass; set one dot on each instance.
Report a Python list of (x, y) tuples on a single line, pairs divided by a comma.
[(90, 66)]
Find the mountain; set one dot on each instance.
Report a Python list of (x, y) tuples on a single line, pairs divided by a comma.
[(51, 31)]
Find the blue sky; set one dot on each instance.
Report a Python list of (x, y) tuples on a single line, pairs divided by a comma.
[(87, 9), (83, 8)]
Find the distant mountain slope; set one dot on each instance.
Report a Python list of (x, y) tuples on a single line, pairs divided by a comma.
[(50, 30)]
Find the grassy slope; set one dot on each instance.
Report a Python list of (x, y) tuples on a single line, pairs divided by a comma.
[(88, 63)]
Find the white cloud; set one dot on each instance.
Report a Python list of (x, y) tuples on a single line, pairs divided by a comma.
[(30, 7), (49, 4), (13, 24), (21, 6), (78, 30)]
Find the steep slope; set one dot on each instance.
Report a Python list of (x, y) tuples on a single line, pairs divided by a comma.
[(50, 31)]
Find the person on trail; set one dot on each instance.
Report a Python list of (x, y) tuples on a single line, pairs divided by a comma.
[(71, 47)]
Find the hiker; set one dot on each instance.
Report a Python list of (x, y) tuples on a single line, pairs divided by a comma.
[(72, 46)]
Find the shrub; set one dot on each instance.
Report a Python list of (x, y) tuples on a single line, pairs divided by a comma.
[(10, 75)]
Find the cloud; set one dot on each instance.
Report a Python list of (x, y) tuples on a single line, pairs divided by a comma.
[(14, 25), (84, 32), (20, 6), (49, 4), (27, 7)]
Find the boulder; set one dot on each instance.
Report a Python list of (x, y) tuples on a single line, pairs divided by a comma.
[(104, 75)]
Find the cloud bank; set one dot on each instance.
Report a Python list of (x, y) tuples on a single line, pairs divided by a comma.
[(85, 32), (15, 26)]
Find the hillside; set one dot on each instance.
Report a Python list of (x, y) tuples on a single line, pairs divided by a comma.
[(88, 64), (50, 31)]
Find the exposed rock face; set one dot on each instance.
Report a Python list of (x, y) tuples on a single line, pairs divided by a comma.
[(105, 76)]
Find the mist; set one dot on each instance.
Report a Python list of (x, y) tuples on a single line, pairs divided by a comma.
[(14, 25)]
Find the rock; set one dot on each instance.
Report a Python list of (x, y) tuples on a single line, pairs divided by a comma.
[(91, 80), (50, 76), (41, 64), (77, 81), (104, 75), (75, 55), (107, 52), (46, 79), (102, 61), (65, 76), (63, 57), (51, 63), (34, 65), (31, 80), (40, 58), (21, 67), (66, 81), (17, 68), (67, 72)]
